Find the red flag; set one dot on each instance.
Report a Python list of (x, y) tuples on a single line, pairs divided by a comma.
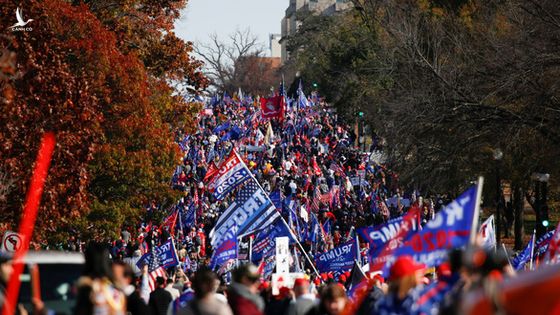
[(212, 171), (273, 107)]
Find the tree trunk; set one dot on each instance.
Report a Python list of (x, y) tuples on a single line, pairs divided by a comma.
[(518, 204)]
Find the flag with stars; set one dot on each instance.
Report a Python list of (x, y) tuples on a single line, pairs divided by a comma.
[(251, 211)]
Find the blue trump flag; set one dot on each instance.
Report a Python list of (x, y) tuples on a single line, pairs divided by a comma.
[(224, 253), (165, 256), (451, 228), (314, 233), (524, 256), (251, 211), (264, 244), (541, 245), (276, 199), (339, 259), (188, 216), (379, 235)]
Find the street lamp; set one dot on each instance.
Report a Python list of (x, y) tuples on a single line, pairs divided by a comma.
[(498, 155), (541, 207)]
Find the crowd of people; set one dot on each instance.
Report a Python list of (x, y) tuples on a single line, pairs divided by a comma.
[(310, 164)]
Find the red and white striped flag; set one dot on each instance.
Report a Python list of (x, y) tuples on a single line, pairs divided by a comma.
[(160, 272)]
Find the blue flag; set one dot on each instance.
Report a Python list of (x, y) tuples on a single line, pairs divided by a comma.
[(379, 235), (524, 256), (224, 253), (251, 211), (451, 228), (339, 259), (221, 128), (264, 244), (430, 298), (276, 199), (164, 256), (541, 245), (188, 216), (314, 229)]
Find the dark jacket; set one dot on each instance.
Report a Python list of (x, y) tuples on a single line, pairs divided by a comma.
[(159, 301), (135, 305)]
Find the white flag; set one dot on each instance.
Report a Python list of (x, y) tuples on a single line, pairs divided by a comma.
[(487, 234)]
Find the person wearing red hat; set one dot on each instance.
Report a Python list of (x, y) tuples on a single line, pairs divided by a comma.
[(304, 300), (404, 279)]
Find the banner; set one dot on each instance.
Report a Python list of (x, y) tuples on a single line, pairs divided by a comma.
[(541, 245), (379, 235), (524, 256), (272, 107), (251, 211), (339, 259), (224, 253), (232, 173), (164, 256), (282, 254), (451, 228)]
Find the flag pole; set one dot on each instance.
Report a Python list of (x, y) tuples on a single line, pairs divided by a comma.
[(250, 248), (301, 247), (474, 226), (532, 250), (281, 217), (507, 256)]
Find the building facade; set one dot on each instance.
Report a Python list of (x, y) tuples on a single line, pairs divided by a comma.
[(290, 22)]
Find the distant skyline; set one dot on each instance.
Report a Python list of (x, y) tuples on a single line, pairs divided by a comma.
[(204, 17)]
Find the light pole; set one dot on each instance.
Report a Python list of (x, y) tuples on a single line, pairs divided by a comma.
[(498, 155), (541, 207)]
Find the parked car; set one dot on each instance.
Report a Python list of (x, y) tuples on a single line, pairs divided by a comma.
[(58, 273)]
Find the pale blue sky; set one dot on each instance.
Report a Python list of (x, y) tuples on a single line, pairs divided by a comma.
[(203, 17)]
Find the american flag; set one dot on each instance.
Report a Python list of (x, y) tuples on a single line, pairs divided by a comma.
[(159, 272), (155, 270)]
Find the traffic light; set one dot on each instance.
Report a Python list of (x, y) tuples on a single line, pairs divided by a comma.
[(545, 223), (361, 114), (315, 85)]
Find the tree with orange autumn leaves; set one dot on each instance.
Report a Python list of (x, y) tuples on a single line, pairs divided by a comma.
[(99, 74)]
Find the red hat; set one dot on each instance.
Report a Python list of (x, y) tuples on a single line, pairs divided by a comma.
[(301, 282), (342, 278), (404, 266), (443, 270), (264, 285), (379, 278)]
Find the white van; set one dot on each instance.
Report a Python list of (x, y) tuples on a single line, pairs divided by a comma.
[(58, 273)]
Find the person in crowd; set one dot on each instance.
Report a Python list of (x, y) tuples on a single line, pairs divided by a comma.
[(374, 295), (243, 294), (96, 293), (124, 280), (333, 301), (206, 301), (159, 298), (171, 289), (404, 276), (304, 299)]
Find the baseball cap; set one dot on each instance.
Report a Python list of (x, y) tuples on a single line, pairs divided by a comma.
[(404, 266), (301, 282)]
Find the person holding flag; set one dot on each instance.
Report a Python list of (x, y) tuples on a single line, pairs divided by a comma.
[(404, 279)]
